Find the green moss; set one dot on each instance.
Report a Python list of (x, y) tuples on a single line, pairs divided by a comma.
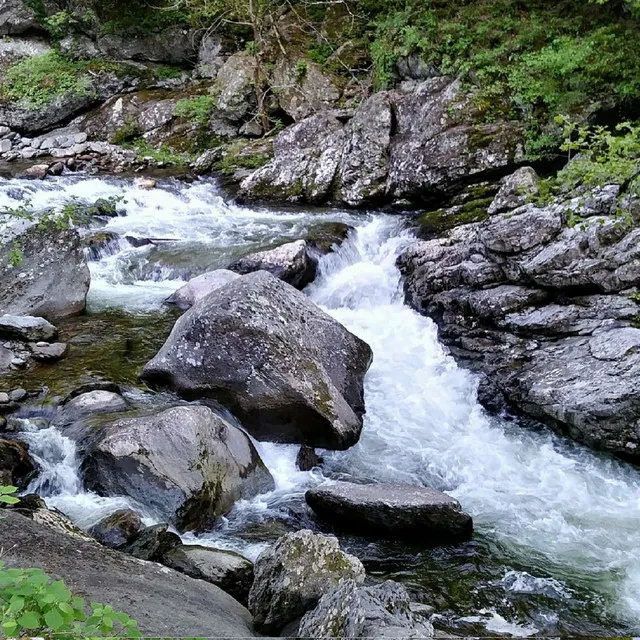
[(196, 109), (242, 155), (161, 153), (438, 222), (127, 132)]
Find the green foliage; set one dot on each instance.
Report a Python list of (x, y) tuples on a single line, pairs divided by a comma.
[(532, 59), (127, 132), (32, 604), (197, 109), (240, 156), (36, 82), (160, 154), (302, 67), (602, 156), (6, 494)]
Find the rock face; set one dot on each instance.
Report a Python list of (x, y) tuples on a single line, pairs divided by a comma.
[(52, 278), (287, 370), (226, 569), (540, 300), (187, 463), (153, 543), (174, 604), (289, 262), (292, 575), (405, 145), (17, 467), (199, 287), (350, 611), (116, 530), (392, 511), (16, 17), (27, 328)]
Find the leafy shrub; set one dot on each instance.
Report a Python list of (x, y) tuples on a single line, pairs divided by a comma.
[(197, 109)]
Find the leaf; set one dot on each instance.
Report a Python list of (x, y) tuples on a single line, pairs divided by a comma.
[(9, 628), (53, 619), (16, 604), (29, 620)]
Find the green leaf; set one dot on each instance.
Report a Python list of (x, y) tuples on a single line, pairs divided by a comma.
[(29, 620), (16, 604), (53, 619), (9, 628)]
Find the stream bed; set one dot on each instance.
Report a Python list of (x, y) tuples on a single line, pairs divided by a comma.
[(556, 549)]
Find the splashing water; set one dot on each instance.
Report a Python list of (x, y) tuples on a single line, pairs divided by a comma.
[(569, 516)]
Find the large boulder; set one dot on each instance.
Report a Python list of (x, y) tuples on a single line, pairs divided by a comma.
[(541, 301), (51, 278), (199, 287), (175, 606), (290, 262), (186, 463), (226, 569), (293, 574), (17, 467), (350, 611), (420, 141), (392, 511), (17, 17), (287, 369), (27, 328), (235, 88)]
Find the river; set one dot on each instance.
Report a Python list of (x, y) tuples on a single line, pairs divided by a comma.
[(557, 543)]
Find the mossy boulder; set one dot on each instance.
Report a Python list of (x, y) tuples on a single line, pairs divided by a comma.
[(185, 463)]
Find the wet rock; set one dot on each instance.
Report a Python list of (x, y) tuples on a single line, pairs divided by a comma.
[(52, 278), (289, 262), (514, 190), (118, 529), (292, 575), (17, 467), (38, 171), (145, 183), (152, 543), (172, 45), (27, 328), (350, 611), (50, 352), (392, 511), (175, 603), (228, 570), (288, 370), (520, 298), (17, 395), (324, 238), (4, 398), (89, 403), (186, 463), (199, 287), (307, 459)]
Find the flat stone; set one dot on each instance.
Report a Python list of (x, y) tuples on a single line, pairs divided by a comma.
[(17, 395), (5, 145), (27, 328), (51, 352), (37, 171), (392, 511)]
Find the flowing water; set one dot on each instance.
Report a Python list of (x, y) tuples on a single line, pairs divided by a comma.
[(557, 543)]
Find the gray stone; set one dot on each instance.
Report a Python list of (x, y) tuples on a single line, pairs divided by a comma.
[(287, 369), (235, 87), (186, 463), (17, 395), (52, 279), (514, 190), (50, 353), (5, 145), (90, 403), (175, 604), (199, 287), (4, 398), (27, 328), (392, 511), (16, 17), (228, 570), (350, 611), (117, 529), (293, 574), (289, 262)]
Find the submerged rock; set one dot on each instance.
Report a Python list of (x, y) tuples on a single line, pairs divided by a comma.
[(292, 575), (49, 352), (392, 511), (87, 404), (186, 463), (27, 328), (350, 611), (51, 278), (152, 543), (174, 604), (228, 570), (199, 287), (289, 371), (118, 529), (289, 262)]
